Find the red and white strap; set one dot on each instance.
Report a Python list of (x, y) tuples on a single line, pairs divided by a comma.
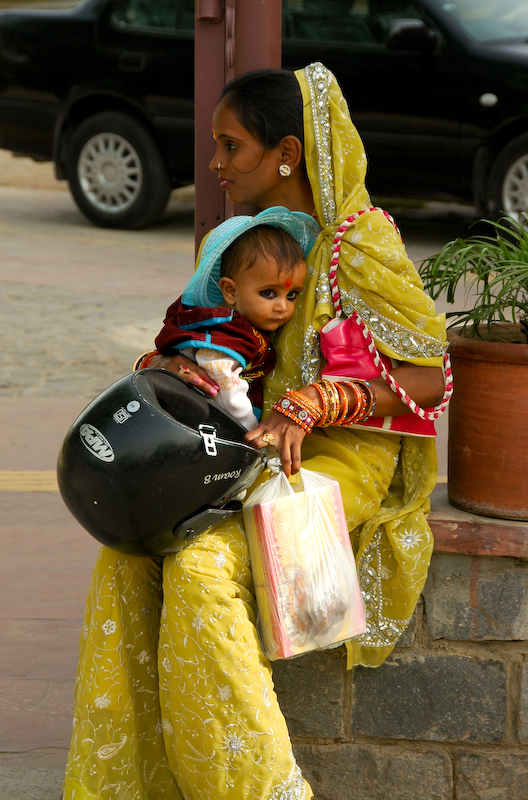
[(426, 414), (336, 246)]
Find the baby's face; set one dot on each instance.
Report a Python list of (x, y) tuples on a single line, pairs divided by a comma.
[(265, 295)]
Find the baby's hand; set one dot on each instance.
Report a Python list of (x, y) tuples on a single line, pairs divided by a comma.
[(184, 368)]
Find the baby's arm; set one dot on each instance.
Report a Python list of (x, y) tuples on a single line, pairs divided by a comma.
[(233, 389)]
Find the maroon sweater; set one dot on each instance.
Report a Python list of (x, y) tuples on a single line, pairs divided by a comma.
[(222, 329)]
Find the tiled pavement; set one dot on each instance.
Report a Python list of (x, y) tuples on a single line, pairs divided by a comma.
[(45, 565)]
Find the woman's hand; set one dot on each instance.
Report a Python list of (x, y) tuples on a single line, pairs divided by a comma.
[(184, 368), (283, 434)]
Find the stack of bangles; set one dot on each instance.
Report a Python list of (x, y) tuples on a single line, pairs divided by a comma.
[(335, 409)]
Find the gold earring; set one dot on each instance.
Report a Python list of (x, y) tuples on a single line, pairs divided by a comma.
[(285, 170)]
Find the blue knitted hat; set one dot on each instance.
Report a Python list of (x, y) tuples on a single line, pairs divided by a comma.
[(203, 289)]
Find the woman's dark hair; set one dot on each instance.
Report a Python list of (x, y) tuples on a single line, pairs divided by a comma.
[(268, 103)]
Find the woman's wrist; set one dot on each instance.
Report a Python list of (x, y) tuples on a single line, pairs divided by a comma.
[(298, 407), (328, 403)]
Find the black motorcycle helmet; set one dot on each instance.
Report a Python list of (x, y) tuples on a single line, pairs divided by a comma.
[(153, 460)]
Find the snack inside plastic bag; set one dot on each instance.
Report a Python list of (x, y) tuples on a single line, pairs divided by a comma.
[(303, 566)]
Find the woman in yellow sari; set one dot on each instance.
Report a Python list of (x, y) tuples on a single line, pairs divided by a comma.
[(174, 698)]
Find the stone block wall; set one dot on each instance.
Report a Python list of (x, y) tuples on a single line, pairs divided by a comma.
[(445, 718)]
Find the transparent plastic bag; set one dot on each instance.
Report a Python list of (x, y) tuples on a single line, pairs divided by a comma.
[(303, 567)]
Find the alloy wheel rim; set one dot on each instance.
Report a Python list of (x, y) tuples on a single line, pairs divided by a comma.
[(110, 173), (515, 189)]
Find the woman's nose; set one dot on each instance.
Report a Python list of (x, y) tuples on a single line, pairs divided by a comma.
[(213, 163)]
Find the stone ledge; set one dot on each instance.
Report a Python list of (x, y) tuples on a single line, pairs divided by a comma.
[(476, 599), (431, 696), (457, 531), (497, 775), (374, 772)]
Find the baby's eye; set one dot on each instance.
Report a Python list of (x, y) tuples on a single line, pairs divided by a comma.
[(293, 295), (267, 293)]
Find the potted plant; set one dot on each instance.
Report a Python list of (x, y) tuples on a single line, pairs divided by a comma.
[(488, 418)]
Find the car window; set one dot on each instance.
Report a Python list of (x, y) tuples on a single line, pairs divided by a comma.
[(352, 21), (491, 20), (49, 5), (382, 12), (325, 20), (167, 15)]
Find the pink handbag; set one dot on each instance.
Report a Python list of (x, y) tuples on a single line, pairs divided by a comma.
[(350, 352)]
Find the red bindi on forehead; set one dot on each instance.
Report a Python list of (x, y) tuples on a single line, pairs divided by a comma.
[(288, 282)]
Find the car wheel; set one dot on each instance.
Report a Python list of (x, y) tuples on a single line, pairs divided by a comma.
[(116, 172), (508, 183)]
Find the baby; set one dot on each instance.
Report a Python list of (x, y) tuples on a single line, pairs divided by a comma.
[(250, 273)]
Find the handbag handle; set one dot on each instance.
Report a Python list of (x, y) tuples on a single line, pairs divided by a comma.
[(426, 414)]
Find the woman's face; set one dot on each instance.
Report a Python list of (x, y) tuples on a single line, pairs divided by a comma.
[(249, 173)]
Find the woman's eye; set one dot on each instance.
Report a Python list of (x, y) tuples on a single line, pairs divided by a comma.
[(231, 146)]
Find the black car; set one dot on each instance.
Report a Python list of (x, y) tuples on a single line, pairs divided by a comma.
[(438, 91)]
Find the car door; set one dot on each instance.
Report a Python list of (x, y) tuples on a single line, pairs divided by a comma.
[(145, 50), (405, 104)]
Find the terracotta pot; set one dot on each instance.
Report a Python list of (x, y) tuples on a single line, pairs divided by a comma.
[(488, 428)]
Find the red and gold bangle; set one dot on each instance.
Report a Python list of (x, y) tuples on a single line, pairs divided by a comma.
[(301, 399), (309, 404), (144, 360), (366, 401), (324, 401), (370, 399), (299, 409), (355, 409), (296, 413), (344, 404), (334, 402)]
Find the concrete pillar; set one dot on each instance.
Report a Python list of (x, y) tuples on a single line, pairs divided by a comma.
[(231, 37)]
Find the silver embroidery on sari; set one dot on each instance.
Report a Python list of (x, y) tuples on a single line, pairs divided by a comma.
[(407, 343), (294, 788), (319, 78), (381, 631), (311, 357), (404, 342)]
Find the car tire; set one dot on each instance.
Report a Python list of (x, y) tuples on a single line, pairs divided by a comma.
[(116, 173), (508, 181)]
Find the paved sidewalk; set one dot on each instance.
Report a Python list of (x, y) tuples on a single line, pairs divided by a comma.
[(44, 576)]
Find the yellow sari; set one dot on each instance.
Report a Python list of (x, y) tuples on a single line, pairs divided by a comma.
[(174, 698), (385, 482)]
